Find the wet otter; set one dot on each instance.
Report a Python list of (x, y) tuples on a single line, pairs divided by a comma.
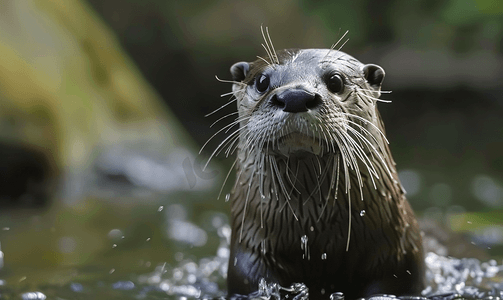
[(317, 198)]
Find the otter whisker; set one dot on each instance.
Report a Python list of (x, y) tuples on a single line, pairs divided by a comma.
[(337, 180), (340, 48), (348, 188), (227, 94), (368, 122), (268, 47), (335, 44), (365, 130), (349, 221), (292, 183), (273, 177), (220, 130), (374, 98), (381, 159), (224, 117), (231, 100), (358, 146), (221, 107), (373, 91), (352, 159), (329, 190), (226, 129), (227, 177), (218, 149), (237, 122), (364, 159), (320, 178), (349, 140), (345, 155), (319, 164), (268, 54), (232, 145), (263, 59), (361, 138), (272, 46), (228, 81), (280, 181)]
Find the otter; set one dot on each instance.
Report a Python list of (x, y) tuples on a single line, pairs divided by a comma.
[(317, 198)]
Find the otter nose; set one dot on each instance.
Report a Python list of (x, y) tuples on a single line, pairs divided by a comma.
[(295, 100)]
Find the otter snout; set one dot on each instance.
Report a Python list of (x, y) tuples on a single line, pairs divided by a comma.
[(295, 100)]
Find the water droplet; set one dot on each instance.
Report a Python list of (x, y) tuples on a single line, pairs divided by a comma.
[(227, 197), (235, 261), (115, 234), (160, 208), (303, 241), (337, 296), (303, 246), (111, 271), (114, 245), (362, 213), (408, 272), (312, 228), (148, 239), (324, 256)]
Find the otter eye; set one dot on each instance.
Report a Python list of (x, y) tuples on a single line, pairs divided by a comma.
[(262, 83), (335, 83)]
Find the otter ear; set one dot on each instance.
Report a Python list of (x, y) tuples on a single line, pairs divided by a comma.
[(374, 75), (239, 71)]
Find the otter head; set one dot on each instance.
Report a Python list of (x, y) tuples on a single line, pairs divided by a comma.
[(309, 101)]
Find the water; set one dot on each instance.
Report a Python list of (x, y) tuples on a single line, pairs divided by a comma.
[(190, 277)]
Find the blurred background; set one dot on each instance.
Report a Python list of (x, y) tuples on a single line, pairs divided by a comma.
[(102, 115)]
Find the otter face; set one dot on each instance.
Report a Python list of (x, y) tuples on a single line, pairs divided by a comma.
[(311, 101)]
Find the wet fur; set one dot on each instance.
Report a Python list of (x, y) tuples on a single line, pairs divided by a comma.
[(331, 212)]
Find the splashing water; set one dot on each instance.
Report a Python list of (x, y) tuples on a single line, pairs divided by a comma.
[(447, 278)]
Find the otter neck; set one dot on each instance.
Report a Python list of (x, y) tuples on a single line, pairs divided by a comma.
[(306, 191), (304, 186)]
